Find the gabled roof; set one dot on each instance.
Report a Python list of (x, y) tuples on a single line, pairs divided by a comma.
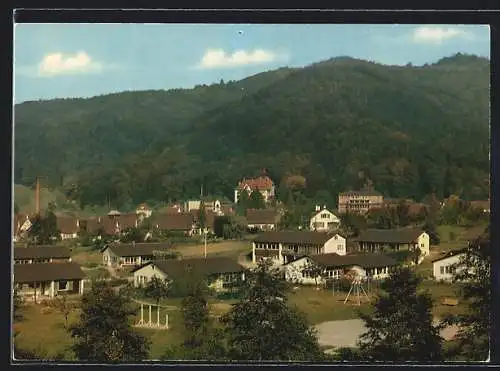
[(450, 254), (41, 252), (361, 260), (67, 224), (295, 237), (205, 267), (322, 210), (139, 249), (179, 222), (403, 235), (361, 192), (114, 213), (25, 273), (260, 183), (262, 216)]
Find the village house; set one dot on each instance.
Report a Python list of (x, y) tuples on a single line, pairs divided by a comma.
[(217, 205), (377, 240), (359, 201), (208, 224), (263, 184), (323, 220), (47, 280), (444, 267), (133, 254), (262, 219), (305, 270), (180, 222), (68, 227), (284, 246), (222, 273), (41, 254)]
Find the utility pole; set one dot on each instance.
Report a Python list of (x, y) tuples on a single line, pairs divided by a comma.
[(37, 196), (205, 231)]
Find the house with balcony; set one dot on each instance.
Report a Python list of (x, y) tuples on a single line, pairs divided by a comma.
[(284, 246), (221, 273), (360, 201)]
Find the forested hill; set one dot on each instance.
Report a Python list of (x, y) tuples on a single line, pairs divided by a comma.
[(340, 123)]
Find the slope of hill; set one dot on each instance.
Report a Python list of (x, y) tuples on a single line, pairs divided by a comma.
[(340, 123)]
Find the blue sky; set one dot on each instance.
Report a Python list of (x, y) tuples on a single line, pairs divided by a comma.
[(83, 60)]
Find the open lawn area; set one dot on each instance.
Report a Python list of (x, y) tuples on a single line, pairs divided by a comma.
[(226, 248), (87, 257)]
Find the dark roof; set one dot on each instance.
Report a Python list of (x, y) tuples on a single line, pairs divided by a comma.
[(361, 192), (205, 267), (403, 235), (361, 260), (295, 237), (180, 221), (41, 252), (139, 249), (449, 254), (129, 220), (262, 216), (67, 224), (47, 272)]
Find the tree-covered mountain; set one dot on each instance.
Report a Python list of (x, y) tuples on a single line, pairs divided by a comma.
[(340, 123)]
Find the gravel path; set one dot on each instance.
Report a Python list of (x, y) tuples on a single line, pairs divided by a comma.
[(346, 333)]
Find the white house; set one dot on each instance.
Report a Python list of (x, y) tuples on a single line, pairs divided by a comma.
[(372, 240), (316, 269), (285, 246), (263, 184), (47, 280), (133, 254), (222, 273), (444, 267), (323, 220)]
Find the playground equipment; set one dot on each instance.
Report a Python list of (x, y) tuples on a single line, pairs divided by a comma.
[(150, 323), (356, 286)]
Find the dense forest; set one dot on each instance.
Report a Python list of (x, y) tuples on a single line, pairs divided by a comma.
[(342, 123)]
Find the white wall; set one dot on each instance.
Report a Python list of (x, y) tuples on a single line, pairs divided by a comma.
[(146, 273), (107, 257), (423, 244), (318, 219), (336, 244), (444, 263)]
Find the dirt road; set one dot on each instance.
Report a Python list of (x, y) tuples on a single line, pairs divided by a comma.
[(346, 333)]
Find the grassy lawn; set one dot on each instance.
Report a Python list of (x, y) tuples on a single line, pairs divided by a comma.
[(86, 256), (226, 248)]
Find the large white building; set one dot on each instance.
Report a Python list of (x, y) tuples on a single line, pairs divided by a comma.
[(285, 246), (323, 220)]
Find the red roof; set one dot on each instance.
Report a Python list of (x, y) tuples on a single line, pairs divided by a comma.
[(260, 183)]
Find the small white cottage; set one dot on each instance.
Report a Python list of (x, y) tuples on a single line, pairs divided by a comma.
[(444, 267)]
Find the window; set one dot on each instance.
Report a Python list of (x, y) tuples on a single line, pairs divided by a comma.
[(441, 270), (325, 216), (63, 285), (340, 247), (422, 245)]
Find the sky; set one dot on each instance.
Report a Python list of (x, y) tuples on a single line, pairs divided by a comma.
[(84, 60)]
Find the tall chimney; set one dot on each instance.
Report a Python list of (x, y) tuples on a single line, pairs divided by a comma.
[(37, 196)]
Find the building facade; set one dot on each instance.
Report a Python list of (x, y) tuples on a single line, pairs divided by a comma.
[(444, 267), (323, 220), (359, 201), (263, 184)]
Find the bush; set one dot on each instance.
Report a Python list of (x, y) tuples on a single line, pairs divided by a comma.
[(119, 281), (228, 295)]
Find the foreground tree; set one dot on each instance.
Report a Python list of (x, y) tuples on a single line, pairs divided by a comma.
[(103, 332), (64, 306), (401, 327), (156, 289), (474, 271), (262, 326), (44, 230)]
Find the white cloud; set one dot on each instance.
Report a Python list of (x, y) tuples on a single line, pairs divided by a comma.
[(218, 58), (436, 35), (64, 64)]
